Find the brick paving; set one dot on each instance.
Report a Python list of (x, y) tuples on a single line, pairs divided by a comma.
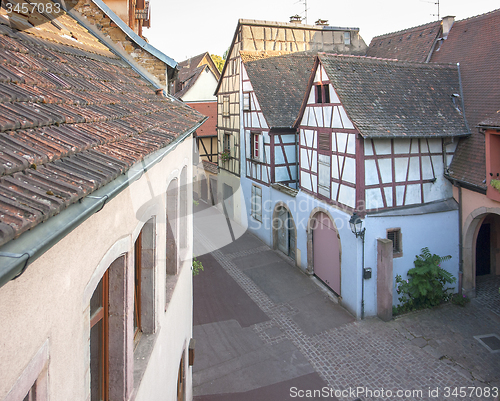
[(421, 352), (487, 292)]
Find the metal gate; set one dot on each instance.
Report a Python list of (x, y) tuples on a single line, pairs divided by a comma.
[(326, 252)]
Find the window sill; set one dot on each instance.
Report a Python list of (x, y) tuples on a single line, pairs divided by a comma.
[(141, 359)]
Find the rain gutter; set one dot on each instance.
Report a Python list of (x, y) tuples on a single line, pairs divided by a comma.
[(133, 36), (18, 254)]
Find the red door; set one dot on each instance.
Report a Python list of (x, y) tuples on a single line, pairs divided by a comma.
[(326, 252)]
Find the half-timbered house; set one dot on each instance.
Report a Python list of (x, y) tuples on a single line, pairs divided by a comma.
[(472, 43), (263, 37), (373, 137)]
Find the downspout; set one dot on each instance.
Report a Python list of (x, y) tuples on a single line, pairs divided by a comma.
[(460, 241), (18, 254)]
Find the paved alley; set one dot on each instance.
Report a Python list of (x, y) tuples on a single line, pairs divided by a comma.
[(266, 331)]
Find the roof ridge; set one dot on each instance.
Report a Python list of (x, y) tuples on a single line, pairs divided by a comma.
[(478, 16), (407, 30)]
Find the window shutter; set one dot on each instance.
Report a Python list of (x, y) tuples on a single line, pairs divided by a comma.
[(324, 142)]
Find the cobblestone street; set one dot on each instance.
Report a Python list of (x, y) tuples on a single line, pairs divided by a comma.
[(296, 335)]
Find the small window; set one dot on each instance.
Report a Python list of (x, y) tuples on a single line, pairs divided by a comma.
[(347, 38), (255, 145), (225, 106), (256, 203), (395, 236), (246, 101), (227, 143), (322, 93)]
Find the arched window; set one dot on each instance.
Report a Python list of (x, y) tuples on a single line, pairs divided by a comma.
[(184, 209), (172, 216)]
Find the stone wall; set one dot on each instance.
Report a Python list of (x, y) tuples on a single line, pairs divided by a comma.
[(103, 23)]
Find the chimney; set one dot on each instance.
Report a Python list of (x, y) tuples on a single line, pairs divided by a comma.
[(447, 23), (296, 19), (322, 22)]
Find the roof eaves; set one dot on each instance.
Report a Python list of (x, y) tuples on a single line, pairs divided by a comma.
[(133, 36)]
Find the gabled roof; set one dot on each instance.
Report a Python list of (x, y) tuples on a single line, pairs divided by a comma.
[(492, 121), (280, 84), (475, 44), (73, 118), (395, 99), (413, 44), (190, 80)]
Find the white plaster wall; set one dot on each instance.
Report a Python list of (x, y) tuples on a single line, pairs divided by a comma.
[(437, 231), (50, 300), (203, 89)]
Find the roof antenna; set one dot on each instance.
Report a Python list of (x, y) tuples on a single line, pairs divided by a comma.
[(437, 4), (305, 9)]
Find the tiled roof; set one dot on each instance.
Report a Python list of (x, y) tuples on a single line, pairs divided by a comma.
[(73, 117), (475, 44), (190, 80), (209, 109), (186, 67), (414, 44), (388, 98), (492, 121), (280, 84), (210, 167)]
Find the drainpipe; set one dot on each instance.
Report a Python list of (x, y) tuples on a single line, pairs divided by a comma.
[(460, 241), (18, 254)]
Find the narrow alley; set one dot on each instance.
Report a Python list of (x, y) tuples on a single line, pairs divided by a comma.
[(266, 331)]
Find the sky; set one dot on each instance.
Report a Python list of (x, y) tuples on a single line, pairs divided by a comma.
[(183, 29)]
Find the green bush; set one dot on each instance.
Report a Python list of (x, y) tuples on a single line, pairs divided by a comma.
[(461, 300), (425, 286), (197, 267)]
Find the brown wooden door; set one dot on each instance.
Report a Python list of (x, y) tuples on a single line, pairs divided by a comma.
[(326, 252)]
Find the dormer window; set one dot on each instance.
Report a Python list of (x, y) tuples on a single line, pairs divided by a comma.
[(322, 93)]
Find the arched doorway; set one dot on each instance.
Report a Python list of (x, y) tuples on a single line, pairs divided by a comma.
[(326, 251), (284, 231), (481, 239)]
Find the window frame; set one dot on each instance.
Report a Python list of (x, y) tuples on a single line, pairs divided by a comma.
[(255, 145), (227, 142), (322, 93), (225, 106), (397, 246), (246, 101)]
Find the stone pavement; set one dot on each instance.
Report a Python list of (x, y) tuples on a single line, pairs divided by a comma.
[(265, 330)]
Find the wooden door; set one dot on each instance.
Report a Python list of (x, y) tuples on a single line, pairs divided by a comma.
[(283, 232), (326, 252)]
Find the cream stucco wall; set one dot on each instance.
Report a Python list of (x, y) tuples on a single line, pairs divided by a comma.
[(50, 301), (203, 89)]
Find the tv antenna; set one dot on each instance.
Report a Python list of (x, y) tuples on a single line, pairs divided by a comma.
[(437, 4), (305, 8)]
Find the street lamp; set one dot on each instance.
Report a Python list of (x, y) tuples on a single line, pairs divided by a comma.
[(357, 229), (357, 226)]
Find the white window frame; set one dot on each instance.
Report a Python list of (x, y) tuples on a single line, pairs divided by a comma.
[(246, 101)]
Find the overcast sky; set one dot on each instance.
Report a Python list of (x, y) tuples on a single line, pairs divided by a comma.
[(183, 29)]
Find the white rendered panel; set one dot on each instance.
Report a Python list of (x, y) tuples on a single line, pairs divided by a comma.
[(427, 173), (351, 144), (388, 196), (311, 121), (315, 184), (401, 146), (349, 170), (263, 122), (347, 196), (345, 120), (437, 161), (342, 141), (333, 95), (385, 166), (335, 190), (317, 75), (314, 158), (281, 174), (318, 112), (311, 99), (335, 168), (304, 161), (334, 142), (413, 194), (382, 146), (368, 147), (371, 175), (401, 167), (337, 121), (327, 112), (288, 139), (374, 198), (400, 190), (290, 153), (305, 180), (255, 120), (414, 173), (451, 147), (435, 145), (414, 146), (423, 146), (279, 157)]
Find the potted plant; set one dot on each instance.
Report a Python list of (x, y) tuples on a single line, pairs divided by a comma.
[(225, 155)]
